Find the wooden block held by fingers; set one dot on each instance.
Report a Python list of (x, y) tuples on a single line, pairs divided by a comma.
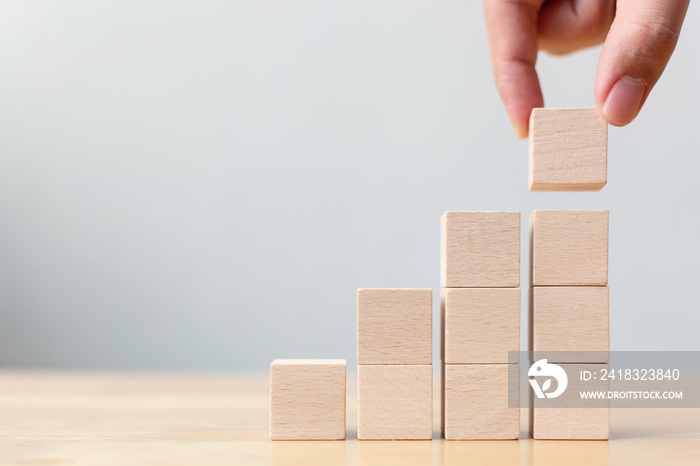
[(480, 249), (475, 405), (394, 326), (572, 321), (307, 399), (480, 325), (568, 149), (395, 402), (569, 247)]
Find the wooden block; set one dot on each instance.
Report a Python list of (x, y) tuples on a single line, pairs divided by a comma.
[(480, 325), (573, 421), (480, 249), (395, 402), (307, 399), (394, 326), (569, 247), (568, 149), (475, 405), (571, 319)]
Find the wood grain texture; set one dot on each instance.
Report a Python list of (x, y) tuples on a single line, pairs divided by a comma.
[(395, 402), (568, 149), (395, 326), (475, 403), (569, 247), (480, 249), (571, 321), (90, 418), (576, 420), (480, 325), (307, 399)]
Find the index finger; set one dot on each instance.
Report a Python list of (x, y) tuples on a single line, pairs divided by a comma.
[(512, 31)]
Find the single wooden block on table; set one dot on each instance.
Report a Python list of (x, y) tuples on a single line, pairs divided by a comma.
[(476, 402), (480, 325), (569, 416), (394, 326), (571, 322), (568, 149), (569, 247), (395, 402), (480, 249), (307, 399)]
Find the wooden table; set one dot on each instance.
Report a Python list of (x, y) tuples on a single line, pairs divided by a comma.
[(61, 418)]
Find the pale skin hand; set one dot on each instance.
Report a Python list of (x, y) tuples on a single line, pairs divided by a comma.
[(639, 38)]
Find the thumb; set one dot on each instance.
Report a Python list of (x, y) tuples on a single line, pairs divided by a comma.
[(637, 49)]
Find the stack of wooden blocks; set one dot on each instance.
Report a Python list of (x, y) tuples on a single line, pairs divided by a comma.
[(395, 364), (480, 324), (569, 312)]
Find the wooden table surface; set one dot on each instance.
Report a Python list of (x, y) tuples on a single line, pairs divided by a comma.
[(55, 418)]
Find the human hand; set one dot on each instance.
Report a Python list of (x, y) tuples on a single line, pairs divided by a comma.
[(639, 37)]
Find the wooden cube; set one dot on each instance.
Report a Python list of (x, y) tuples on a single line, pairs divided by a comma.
[(307, 399), (476, 402), (395, 402), (480, 249), (571, 423), (394, 326), (569, 247), (480, 325), (568, 149), (572, 322), (569, 417)]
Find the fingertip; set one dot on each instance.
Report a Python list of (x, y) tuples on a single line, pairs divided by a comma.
[(624, 101)]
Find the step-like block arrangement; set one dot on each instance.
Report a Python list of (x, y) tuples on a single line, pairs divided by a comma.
[(480, 325), (475, 400), (569, 247), (568, 149), (394, 326), (395, 355), (480, 249), (480, 308), (307, 399), (395, 402)]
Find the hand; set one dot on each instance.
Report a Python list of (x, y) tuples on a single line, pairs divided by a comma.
[(641, 36)]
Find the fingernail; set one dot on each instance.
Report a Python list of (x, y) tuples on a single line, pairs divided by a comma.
[(623, 101)]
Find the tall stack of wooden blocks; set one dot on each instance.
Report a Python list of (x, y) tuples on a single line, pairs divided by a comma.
[(569, 310), (395, 364), (480, 324)]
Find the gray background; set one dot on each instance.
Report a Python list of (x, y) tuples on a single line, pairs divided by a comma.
[(203, 185)]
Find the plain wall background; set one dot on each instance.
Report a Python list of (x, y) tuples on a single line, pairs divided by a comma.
[(204, 185)]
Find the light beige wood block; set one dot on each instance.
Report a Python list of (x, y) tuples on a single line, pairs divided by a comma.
[(568, 149), (571, 424), (572, 321), (480, 325), (394, 326), (395, 402), (480, 249), (569, 247), (573, 418), (475, 403), (307, 399)]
